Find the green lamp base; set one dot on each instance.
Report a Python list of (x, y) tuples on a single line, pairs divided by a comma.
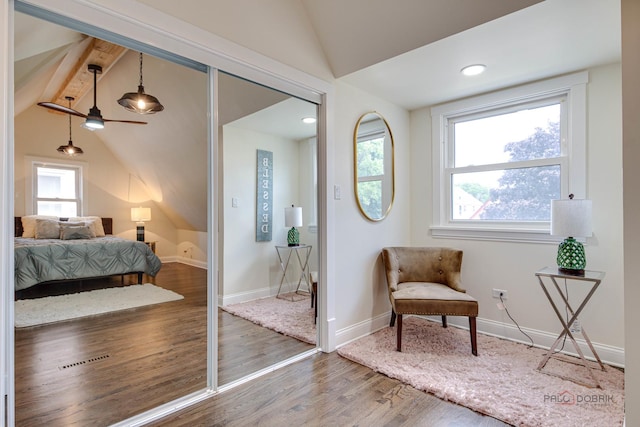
[(571, 258), (293, 237)]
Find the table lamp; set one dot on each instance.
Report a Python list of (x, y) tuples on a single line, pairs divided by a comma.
[(139, 216), (293, 219), (571, 218)]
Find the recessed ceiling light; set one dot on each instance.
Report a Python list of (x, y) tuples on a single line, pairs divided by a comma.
[(473, 70), (309, 120)]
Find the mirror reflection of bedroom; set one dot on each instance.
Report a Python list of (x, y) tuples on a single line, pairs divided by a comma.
[(269, 164), (111, 247)]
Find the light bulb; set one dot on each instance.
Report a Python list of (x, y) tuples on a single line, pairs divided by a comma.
[(141, 104)]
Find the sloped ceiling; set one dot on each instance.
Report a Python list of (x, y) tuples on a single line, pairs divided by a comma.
[(356, 34), (407, 51)]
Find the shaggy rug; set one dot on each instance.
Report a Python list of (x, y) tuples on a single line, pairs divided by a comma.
[(291, 318), (39, 311), (501, 382)]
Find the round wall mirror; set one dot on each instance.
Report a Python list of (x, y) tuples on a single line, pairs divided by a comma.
[(373, 166)]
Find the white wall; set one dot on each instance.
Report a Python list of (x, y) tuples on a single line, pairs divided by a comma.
[(361, 292), (511, 266), (192, 247), (112, 191), (251, 269)]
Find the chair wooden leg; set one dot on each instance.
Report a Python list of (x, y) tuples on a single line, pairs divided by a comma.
[(444, 321), (393, 318), (472, 330), (399, 333)]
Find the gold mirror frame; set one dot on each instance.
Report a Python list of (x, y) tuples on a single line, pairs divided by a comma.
[(367, 125)]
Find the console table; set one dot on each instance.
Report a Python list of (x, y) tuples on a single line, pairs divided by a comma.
[(589, 278), (285, 253)]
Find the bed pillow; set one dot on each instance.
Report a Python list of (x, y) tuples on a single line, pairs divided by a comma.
[(47, 229), (69, 224), (29, 224), (95, 222), (76, 232)]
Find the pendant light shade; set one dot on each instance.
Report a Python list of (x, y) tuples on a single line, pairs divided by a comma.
[(70, 149), (140, 102)]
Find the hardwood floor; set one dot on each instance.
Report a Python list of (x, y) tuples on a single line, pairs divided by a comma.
[(326, 390), (101, 370)]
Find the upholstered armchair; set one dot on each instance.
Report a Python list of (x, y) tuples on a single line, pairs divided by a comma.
[(426, 281)]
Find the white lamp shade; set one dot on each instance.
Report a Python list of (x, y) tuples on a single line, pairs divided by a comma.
[(293, 217), (571, 218), (140, 214)]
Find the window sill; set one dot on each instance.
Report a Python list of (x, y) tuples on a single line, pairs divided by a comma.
[(520, 235)]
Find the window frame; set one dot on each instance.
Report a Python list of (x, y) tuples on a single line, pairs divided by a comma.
[(572, 89), (31, 182)]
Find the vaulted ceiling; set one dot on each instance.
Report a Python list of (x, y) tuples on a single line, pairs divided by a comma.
[(406, 51)]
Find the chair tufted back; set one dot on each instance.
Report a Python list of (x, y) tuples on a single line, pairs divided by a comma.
[(422, 264)]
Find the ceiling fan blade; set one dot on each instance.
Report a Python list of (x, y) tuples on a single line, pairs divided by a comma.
[(61, 108), (133, 122)]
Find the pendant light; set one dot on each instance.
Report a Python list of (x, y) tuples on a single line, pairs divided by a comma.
[(140, 102), (69, 149)]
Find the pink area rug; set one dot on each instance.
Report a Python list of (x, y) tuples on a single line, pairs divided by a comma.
[(292, 318), (501, 382)]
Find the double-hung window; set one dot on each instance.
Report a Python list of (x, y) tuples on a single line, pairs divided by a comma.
[(499, 159), (56, 189)]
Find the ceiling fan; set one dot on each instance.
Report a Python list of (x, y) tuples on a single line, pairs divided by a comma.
[(94, 119)]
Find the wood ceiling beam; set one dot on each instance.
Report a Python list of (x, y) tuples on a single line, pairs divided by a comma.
[(79, 81)]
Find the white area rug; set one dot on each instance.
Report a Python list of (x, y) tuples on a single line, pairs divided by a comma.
[(292, 318), (39, 311), (501, 382)]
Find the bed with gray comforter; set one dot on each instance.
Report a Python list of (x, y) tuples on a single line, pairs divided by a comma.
[(44, 260)]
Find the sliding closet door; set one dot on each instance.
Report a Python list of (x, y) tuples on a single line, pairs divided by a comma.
[(202, 180), (108, 367), (268, 163)]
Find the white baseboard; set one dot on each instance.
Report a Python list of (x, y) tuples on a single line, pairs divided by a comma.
[(247, 296), (359, 330), (184, 260), (610, 355)]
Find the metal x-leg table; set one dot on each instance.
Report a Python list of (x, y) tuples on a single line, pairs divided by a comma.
[(302, 255), (592, 277)]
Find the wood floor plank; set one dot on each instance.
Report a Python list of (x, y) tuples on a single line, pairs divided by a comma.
[(154, 354), (324, 390), (100, 370)]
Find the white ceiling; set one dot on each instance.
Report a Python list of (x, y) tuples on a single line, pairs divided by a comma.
[(547, 39), (355, 34)]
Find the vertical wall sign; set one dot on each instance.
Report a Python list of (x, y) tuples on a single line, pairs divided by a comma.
[(264, 195)]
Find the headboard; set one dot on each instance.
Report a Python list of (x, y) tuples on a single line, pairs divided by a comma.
[(107, 223)]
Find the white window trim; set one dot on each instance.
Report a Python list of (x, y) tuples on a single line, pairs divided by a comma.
[(31, 161), (574, 86)]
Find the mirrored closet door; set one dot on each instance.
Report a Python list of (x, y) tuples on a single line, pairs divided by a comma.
[(266, 299), (77, 371), (102, 368)]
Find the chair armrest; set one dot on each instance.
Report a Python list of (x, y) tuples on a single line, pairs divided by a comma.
[(391, 268)]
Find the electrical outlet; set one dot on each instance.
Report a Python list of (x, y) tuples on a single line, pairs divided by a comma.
[(576, 328), (497, 293)]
